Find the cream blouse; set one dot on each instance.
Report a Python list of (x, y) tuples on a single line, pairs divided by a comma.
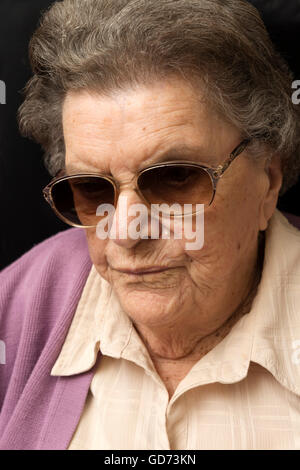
[(243, 394)]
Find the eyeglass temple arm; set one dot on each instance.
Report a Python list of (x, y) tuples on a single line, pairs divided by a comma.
[(220, 170)]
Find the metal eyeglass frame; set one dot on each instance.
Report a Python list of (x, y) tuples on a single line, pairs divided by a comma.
[(215, 175)]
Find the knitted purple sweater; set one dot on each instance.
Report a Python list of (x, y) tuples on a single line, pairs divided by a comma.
[(39, 294)]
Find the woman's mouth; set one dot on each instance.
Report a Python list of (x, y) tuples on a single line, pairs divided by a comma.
[(142, 270)]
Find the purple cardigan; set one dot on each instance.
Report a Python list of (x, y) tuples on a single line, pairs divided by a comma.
[(39, 294)]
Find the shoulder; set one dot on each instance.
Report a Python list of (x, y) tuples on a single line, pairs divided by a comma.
[(294, 220), (287, 228), (281, 270), (44, 275), (283, 238), (67, 248)]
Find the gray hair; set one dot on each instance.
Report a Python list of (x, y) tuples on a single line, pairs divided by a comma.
[(108, 45)]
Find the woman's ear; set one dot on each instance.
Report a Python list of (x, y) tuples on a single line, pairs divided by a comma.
[(273, 171)]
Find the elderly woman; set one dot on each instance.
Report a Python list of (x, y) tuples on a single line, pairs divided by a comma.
[(144, 342)]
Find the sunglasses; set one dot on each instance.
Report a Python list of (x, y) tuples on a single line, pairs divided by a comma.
[(180, 185)]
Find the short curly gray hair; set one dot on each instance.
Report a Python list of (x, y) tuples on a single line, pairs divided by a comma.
[(106, 45)]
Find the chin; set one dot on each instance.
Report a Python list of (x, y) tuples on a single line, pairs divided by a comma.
[(148, 306)]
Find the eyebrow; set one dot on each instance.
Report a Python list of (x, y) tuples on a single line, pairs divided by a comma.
[(180, 152)]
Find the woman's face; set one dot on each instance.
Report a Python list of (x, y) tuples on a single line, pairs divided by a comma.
[(129, 130)]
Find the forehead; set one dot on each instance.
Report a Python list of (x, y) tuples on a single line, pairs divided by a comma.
[(132, 128)]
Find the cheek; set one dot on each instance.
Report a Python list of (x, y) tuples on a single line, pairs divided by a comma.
[(234, 217), (230, 232), (97, 250)]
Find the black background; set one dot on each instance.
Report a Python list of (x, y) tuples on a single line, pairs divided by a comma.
[(25, 218)]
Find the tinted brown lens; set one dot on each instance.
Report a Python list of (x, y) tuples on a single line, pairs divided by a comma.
[(77, 198), (181, 184)]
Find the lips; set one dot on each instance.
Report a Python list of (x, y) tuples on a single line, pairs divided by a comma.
[(143, 270)]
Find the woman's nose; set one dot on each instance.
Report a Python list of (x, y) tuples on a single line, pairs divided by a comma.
[(131, 220)]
